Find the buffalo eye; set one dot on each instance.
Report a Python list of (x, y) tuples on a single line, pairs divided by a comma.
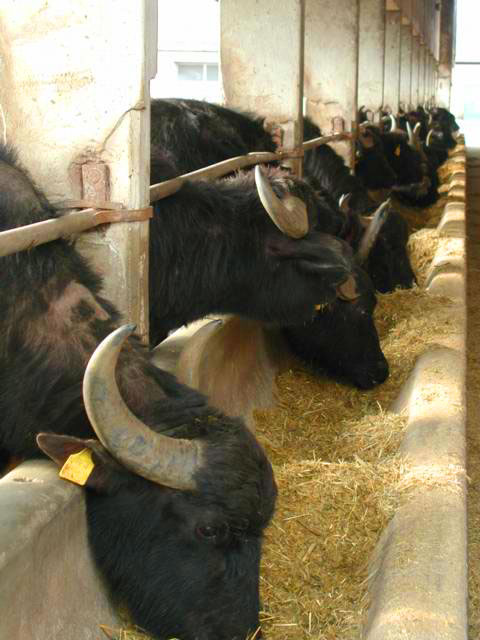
[(212, 533)]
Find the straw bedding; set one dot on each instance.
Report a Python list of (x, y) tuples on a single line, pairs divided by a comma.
[(340, 478)]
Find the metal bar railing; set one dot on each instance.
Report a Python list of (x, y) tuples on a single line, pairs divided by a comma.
[(167, 188), (32, 235)]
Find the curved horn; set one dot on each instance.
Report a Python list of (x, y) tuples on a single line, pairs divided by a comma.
[(371, 234), (411, 138), (168, 461), (348, 290), (344, 202), (429, 138), (393, 122), (289, 215), (416, 138)]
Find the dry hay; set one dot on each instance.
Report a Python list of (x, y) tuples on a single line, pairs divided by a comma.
[(421, 218), (127, 633), (334, 453), (422, 246)]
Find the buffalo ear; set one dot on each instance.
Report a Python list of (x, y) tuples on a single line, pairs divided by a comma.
[(104, 476), (59, 448)]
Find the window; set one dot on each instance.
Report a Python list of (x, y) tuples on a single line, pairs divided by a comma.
[(212, 72), (197, 72)]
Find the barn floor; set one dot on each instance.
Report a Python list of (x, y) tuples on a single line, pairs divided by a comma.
[(473, 385)]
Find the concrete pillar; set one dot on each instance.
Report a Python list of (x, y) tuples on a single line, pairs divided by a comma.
[(406, 66), (429, 77), (421, 74), (371, 54), (431, 80), (446, 53), (415, 71), (261, 52), (74, 87), (436, 80), (391, 92), (331, 67)]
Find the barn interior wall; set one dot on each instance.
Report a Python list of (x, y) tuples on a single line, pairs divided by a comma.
[(391, 96), (371, 54), (331, 67), (75, 99), (255, 77)]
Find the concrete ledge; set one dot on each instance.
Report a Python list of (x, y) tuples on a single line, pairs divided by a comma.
[(457, 192), (446, 273), (452, 223), (49, 588), (418, 572)]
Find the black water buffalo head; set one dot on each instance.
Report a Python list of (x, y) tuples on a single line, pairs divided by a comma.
[(445, 122), (372, 166), (380, 244), (175, 518), (228, 257), (388, 263), (342, 338), (386, 159)]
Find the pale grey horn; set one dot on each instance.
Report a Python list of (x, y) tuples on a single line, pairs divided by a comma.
[(171, 462), (371, 234), (393, 122), (411, 139), (348, 290), (288, 214), (344, 202)]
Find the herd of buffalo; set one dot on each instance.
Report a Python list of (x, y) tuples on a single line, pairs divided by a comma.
[(180, 494)]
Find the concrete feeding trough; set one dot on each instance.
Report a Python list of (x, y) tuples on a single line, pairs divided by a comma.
[(49, 587), (418, 575)]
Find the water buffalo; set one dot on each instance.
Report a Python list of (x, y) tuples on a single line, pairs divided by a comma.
[(325, 172), (213, 249), (445, 125), (342, 339), (191, 134), (390, 161), (180, 494), (325, 169)]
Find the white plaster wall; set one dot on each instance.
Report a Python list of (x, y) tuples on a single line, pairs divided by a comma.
[(70, 73), (73, 88)]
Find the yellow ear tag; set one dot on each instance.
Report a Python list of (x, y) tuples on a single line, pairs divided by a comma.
[(397, 151), (78, 467)]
